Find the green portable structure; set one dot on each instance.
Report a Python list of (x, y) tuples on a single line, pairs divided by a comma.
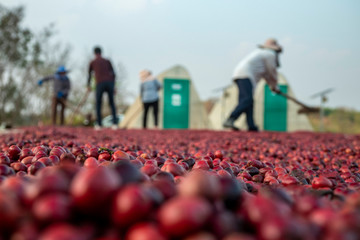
[(176, 103), (271, 112), (179, 105), (275, 110)]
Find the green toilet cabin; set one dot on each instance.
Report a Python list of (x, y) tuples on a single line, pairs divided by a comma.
[(179, 105)]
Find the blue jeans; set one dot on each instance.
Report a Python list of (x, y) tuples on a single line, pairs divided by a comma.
[(107, 87), (245, 102)]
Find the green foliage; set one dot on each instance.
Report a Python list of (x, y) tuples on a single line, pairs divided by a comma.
[(328, 111), (17, 43), (17, 49), (25, 58), (16, 99), (338, 120)]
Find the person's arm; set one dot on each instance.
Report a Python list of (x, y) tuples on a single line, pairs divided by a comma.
[(111, 69), (271, 73), (45, 79), (158, 85), (89, 75), (48, 78)]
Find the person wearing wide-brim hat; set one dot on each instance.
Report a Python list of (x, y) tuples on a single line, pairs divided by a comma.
[(271, 44), (261, 63), (61, 90)]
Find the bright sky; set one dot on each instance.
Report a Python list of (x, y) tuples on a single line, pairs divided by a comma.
[(321, 39)]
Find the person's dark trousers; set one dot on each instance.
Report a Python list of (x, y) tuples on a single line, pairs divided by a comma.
[(55, 102), (245, 102), (107, 87), (155, 106)]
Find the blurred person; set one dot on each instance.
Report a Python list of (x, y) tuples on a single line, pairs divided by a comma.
[(261, 63), (105, 82), (61, 90), (149, 95)]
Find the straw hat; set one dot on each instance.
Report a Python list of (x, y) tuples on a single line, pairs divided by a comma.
[(271, 43)]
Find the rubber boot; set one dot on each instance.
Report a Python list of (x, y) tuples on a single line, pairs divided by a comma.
[(229, 123)]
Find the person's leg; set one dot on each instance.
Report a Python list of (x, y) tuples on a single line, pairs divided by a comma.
[(99, 93), (156, 112), (54, 110), (250, 119), (62, 111), (110, 91), (245, 100), (249, 103), (146, 110)]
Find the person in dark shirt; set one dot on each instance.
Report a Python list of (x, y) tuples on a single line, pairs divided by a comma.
[(61, 90), (105, 82)]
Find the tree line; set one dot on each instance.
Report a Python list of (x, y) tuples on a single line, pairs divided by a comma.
[(27, 56)]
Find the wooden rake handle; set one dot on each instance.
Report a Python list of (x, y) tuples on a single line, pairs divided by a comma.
[(80, 104), (293, 99), (306, 108)]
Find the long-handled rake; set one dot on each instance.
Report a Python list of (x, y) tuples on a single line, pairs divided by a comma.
[(75, 110), (305, 108)]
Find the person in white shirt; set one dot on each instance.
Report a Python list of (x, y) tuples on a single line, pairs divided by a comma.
[(261, 63)]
